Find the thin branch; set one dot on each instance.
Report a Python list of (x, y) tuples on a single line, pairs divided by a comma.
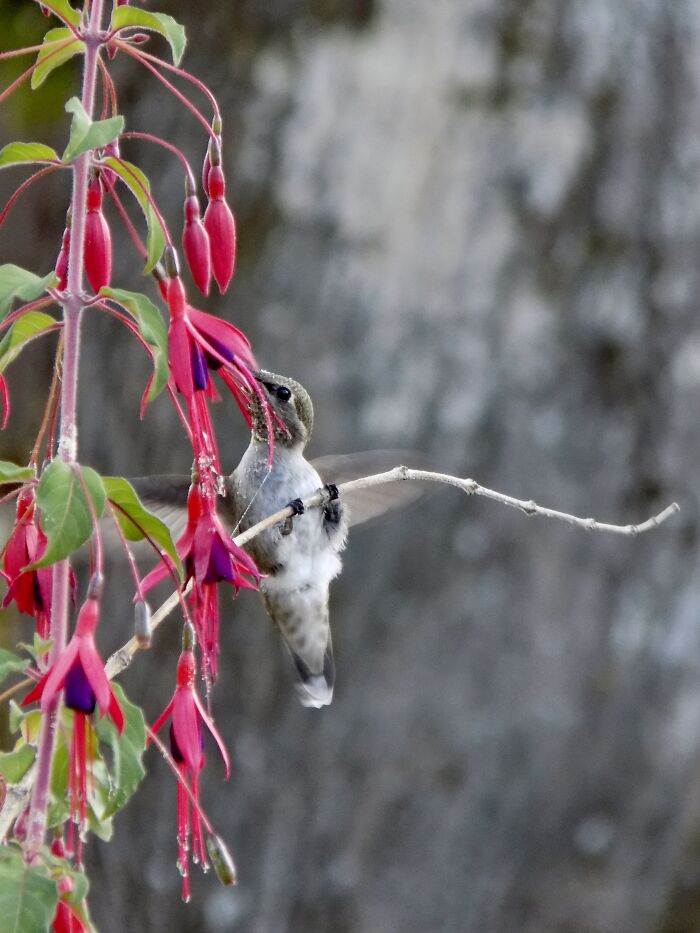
[(121, 659)]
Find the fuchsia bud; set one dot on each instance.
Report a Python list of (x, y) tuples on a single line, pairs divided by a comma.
[(195, 242), (98, 240), (221, 227), (62, 261)]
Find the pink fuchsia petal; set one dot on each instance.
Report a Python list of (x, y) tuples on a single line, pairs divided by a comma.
[(95, 673), (116, 713), (186, 728), (158, 724), (179, 357), (37, 690), (209, 723), (225, 335), (57, 674)]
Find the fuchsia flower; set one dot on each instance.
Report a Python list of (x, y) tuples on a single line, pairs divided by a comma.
[(199, 343), (79, 672), (30, 590), (187, 749), (98, 239), (195, 242), (221, 227), (210, 557)]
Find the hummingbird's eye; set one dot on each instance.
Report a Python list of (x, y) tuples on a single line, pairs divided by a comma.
[(283, 394)]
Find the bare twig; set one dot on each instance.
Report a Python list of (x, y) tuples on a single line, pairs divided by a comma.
[(121, 659)]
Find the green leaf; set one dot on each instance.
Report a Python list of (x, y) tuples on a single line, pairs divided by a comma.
[(60, 867), (131, 513), (169, 28), (22, 332), (48, 58), (127, 770), (65, 513), (21, 284), (14, 765), (138, 184), (63, 10), (86, 135), (28, 896), (152, 329), (16, 153), (10, 664), (38, 647), (13, 473), (28, 722)]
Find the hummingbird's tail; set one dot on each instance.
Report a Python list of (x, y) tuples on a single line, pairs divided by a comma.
[(302, 619)]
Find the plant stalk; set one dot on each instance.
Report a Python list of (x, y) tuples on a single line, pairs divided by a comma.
[(68, 437)]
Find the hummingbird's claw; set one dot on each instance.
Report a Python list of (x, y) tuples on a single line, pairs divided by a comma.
[(299, 509)]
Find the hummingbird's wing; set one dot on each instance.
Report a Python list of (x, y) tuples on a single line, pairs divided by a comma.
[(166, 497), (365, 504)]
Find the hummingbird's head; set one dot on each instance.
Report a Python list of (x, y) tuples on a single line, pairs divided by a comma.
[(291, 404)]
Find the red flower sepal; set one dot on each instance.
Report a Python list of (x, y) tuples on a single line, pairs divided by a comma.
[(79, 672), (221, 227), (187, 748), (210, 556), (30, 590)]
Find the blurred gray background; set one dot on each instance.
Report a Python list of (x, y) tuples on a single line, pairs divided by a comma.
[(470, 227)]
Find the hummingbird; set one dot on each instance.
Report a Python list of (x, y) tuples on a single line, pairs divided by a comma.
[(298, 559)]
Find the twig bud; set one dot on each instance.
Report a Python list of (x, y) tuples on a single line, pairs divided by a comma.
[(142, 623), (221, 860)]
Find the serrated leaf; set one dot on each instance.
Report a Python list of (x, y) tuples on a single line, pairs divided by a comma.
[(14, 765), (21, 284), (63, 10), (17, 153), (165, 25), (127, 770), (65, 514), (28, 896), (49, 58), (151, 327), (132, 513), (13, 473), (22, 332), (10, 664), (85, 134), (138, 184)]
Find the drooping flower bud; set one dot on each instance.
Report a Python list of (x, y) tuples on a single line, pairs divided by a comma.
[(62, 261), (221, 227), (142, 623), (195, 242), (221, 860), (98, 240)]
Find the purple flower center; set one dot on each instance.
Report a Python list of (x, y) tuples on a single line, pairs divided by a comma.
[(222, 350), (78, 694), (200, 376), (219, 567)]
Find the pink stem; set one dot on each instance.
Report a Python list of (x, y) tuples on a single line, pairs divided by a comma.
[(166, 145), (187, 76), (68, 438), (23, 187), (25, 74), (139, 56)]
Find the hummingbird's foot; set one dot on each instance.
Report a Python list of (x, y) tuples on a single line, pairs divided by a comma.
[(299, 509)]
